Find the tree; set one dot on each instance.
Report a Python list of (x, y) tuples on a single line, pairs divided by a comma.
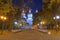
[(4, 6), (47, 13)]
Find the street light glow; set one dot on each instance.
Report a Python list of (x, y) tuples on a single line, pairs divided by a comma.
[(29, 11), (5, 18), (54, 18), (57, 17), (38, 24), (36, 11), (42, 22), (20, 24), (23, 11), (15, 22), (2, 17)]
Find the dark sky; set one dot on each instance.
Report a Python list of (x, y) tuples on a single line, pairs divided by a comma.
[(33, 4)]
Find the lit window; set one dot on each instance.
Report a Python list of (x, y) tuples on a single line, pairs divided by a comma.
[(30, 15)]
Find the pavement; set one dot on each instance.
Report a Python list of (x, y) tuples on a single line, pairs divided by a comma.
[(5, 32), (54, 32), (29, 35)]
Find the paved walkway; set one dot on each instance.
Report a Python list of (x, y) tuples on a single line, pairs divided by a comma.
[(29, 35)]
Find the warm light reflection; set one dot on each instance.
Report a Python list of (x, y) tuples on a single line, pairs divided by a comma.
[(49, 32), (38, 24)]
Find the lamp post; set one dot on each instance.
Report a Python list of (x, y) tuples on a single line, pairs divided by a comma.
[(3, 18), (56, 19), (42, 23)]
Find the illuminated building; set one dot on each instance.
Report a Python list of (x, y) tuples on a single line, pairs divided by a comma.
[(28, 17)]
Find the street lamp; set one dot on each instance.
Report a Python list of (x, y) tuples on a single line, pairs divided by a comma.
[(36, 11), (3, 18), (42, 22), (29, 11), (54, 18), (57, 17), (15, 23)]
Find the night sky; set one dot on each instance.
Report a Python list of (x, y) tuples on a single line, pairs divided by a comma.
[(30, 4), (33, 4)]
